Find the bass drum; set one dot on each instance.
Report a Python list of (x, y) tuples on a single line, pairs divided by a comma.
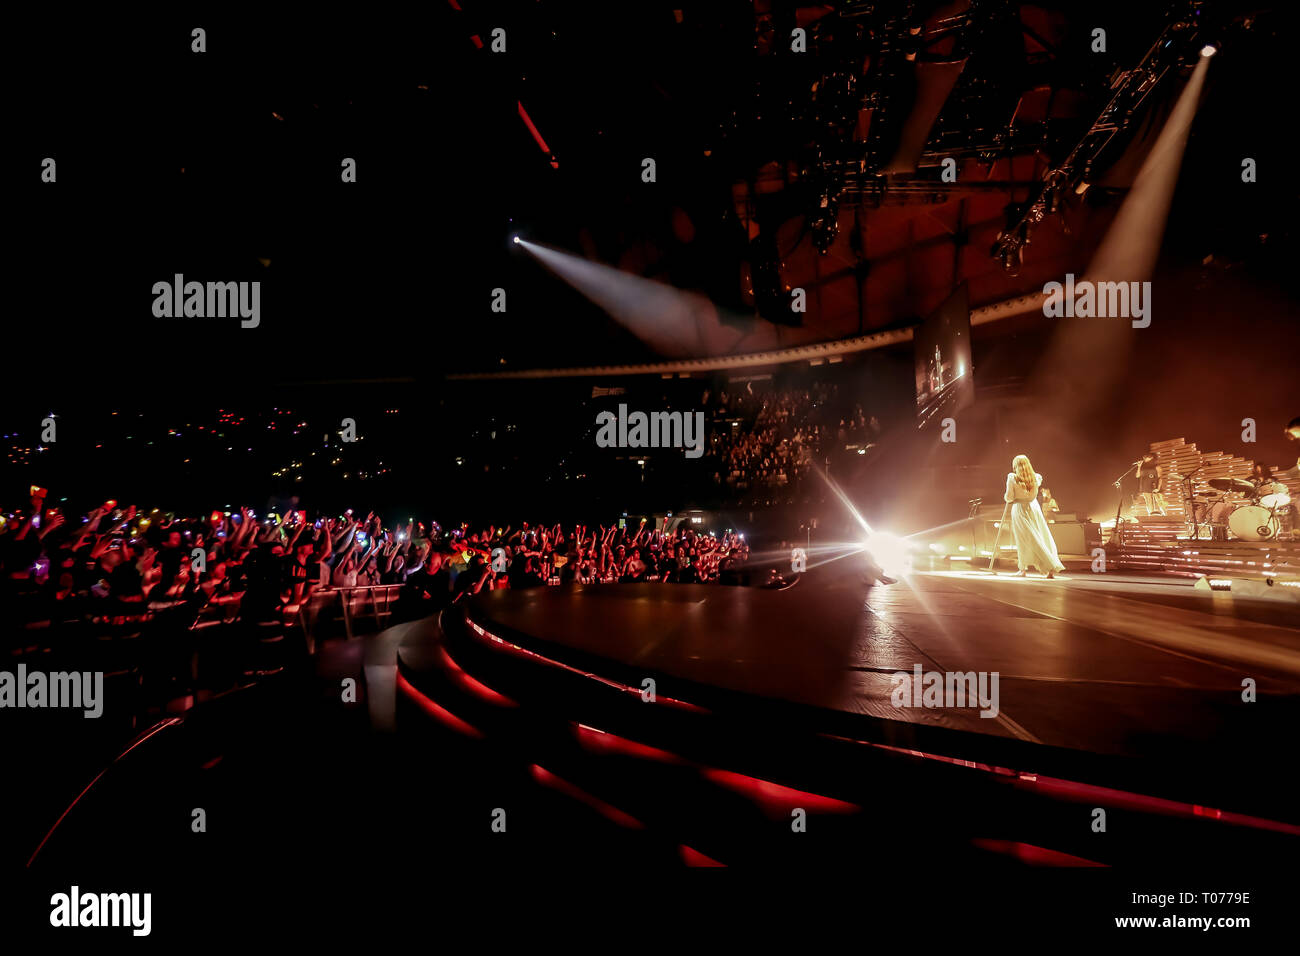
[(1211, 515), (1274, 494), (1253, 523)]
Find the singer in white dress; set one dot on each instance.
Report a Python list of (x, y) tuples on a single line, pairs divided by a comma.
[(1034, 544)]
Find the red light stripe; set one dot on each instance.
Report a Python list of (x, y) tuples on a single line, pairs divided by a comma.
[(774, 796), (528, 121), (601, 741), (135, 743), (436, 711), (659, 698), (471, 685), (1033, 855), (1074, 790), (695, 858), (560, 785)]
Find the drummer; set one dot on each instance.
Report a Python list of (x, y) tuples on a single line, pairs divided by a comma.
[(1221, 507), (1272, 494), (1260, 475)]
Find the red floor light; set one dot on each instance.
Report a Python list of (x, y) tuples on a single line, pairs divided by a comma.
[(776, 797), (560, 785), (1033, 855), (1087, 792), (471, 685), (695, 857), (436, 711), (600, 741)]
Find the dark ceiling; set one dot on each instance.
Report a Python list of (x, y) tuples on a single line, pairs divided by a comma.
[(824, 170), (775, 169)]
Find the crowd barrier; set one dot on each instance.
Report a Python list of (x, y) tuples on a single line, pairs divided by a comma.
[(347, 612)]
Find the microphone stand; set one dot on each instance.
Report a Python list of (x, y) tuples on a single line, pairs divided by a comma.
[(1189, 501), (1119, 505), (997, 538)]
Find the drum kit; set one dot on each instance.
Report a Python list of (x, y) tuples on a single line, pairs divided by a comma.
[(1249, 511)]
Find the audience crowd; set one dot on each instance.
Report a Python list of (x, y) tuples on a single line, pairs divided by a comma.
[(768, 440), (120, 563)]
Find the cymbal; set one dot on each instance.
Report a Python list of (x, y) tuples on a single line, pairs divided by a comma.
[(1231, 484)]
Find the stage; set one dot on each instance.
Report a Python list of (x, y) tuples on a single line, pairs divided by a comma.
[(831, 643), (1121, 690)]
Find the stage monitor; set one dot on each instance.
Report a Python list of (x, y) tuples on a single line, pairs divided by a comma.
[(945, 381)]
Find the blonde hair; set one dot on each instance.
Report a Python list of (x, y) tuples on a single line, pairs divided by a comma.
[(1024, 472)]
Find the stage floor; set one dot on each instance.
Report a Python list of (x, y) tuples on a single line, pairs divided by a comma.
[(1115, 664)]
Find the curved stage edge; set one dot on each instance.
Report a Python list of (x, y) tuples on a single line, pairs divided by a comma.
[(744, 739)]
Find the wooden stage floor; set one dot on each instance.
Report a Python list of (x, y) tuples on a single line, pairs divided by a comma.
[(1113, 664)]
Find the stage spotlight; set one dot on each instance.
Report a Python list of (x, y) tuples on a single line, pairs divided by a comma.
[(1209, 49), (891, 552), (515, 239)]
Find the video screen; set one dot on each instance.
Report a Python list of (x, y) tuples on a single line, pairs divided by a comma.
[(945, 381)]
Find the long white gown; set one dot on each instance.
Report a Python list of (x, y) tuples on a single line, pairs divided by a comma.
[(1034, 544)]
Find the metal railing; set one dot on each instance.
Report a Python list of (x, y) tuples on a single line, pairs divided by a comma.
[(363, 609)]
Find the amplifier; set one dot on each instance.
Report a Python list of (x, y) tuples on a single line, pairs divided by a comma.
[(1073, 534)]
